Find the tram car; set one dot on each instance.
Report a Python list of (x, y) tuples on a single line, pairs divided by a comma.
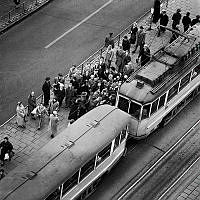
[(71, 165), (156, 92)]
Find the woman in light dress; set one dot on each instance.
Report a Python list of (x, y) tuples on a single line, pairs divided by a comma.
[(21, 114)]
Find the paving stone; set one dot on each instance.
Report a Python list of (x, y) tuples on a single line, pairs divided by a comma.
[(184, 195), (193, 197), (187, 191), (181, 198)]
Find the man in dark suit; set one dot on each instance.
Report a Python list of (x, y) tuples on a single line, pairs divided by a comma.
[(46, 91)]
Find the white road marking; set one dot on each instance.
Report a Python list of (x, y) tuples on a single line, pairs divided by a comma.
[(81, 22)]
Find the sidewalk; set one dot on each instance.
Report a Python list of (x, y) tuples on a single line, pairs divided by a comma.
[(28, 141), (10, 14)]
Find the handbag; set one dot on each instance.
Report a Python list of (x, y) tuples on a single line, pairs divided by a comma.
[(6, 156)]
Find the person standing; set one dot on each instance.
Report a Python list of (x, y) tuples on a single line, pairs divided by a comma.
[(31, 102), (6, 147), (120, 54), (2, 173), (164, 19), (46, 91), (109, 56), (145, 55), (134, 30), (140, 39), (156, 11), (186, 21), (41, 111), (126, 43), (109, 41), (53, 123), (176, 18), (21, 114)]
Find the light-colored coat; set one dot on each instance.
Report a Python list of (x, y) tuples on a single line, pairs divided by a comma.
[(20, 115), (53, 124)]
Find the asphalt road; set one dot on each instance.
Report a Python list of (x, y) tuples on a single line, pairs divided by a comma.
[(146, 153), (25, 62)]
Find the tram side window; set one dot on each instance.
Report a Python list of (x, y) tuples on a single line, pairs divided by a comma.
[(172, 92), (184, 81), (154, 106), (123, 135), (123, 104), (117, 142), (87, 168), (70, 183), (105, 153), (54, 195), (135, 110), (145, 111), (162, 101), (196, 72)]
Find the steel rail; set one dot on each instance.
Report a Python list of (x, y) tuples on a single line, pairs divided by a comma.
[(176, 181), (159, 161)]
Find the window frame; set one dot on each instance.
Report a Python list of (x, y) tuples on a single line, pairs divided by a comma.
[(127, 100), (138, 104), (98, 162), (87, 167), (185, 82), (157, 100), (165, 94), (174, 93), (78, 173), (149, 104)]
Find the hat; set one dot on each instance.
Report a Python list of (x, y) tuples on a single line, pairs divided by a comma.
[(6, 138), (145, 45), (141, 27), (164, 11), (198, 16), (178, 10), (55, 112)]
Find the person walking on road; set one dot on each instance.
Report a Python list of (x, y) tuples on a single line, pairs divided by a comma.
[(164, 19), (156, 11), (176, 18), (186, 21), (46, 91), (53, 123), (134, 30), (21, 114), (31, 102)]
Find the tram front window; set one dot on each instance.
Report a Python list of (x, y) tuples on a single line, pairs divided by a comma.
[(135, 110), (123, 104)]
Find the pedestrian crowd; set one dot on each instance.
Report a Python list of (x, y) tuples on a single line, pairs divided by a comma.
[(97, 83)]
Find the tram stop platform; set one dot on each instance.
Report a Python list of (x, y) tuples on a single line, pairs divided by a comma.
[(28, 141)]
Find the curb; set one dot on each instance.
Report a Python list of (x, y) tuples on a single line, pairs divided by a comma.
[(23, 17)]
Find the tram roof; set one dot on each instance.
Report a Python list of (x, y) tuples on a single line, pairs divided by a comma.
[(166, 66), (60, 158)]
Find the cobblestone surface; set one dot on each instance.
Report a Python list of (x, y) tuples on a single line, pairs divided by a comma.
[(28, 141)]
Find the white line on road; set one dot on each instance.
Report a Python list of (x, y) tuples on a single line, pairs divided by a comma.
[(81, 22)]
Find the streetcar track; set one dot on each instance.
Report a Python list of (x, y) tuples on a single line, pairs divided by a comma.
[(176, 181), (139, 180)]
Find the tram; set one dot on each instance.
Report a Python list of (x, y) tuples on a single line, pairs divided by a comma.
[(71, 165), (159, 90)]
